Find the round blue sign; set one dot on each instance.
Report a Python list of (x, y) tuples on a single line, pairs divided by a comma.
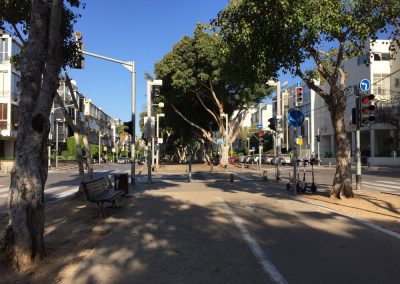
[(295, 118)]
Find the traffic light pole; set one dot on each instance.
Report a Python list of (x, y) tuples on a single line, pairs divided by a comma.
[(130, 65), (358, 146)]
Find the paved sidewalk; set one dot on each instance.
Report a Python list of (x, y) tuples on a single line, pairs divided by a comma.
[(177, 232)]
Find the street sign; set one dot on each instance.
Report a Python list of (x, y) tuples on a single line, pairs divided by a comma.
[(219, 142), (298, 84), (253, 148), (295, 118), (365, 85), (260, 126), (160, 140)]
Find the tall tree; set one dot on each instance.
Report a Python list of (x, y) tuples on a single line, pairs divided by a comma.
[(271, 35), (45, 30), (199, 86)]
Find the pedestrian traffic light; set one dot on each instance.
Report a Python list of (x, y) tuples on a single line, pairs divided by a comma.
[(261, 136), (272, 124), (79, 60), (299, 96), (318, 138), (155, 91), (367, 108)]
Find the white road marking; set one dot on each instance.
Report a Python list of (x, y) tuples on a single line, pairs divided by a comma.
[(370, 184), (388, 182), (262, 258)]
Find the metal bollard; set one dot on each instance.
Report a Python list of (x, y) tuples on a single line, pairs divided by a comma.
[(265, 177), (242, 167), (231, 178), (211, 169), (330, 164), (225, 167)]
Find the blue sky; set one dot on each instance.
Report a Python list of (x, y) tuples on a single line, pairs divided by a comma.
[(140, 31)]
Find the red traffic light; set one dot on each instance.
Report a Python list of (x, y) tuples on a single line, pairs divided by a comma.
[(260, 133), (299, 90)]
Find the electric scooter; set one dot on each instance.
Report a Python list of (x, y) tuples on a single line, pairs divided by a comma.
[(313, 186)]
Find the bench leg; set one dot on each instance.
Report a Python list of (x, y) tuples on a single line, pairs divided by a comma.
[(100, 205)]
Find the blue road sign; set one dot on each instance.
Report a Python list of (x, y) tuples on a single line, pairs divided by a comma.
[(298, 84), (253, 148), (260, 126), (219, 142), (365, 85), (295, 118)]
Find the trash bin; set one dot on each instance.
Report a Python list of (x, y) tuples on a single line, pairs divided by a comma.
[(364, 160), (121, 182)]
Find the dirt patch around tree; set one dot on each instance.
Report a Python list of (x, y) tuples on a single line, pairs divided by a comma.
[(72, 230)]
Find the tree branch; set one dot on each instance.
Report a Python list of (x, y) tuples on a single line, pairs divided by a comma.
[(205, 133), (310, 83), (320, 66), (218, 121), (18, 34)]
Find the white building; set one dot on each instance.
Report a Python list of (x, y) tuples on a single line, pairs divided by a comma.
[(379, 139), (9, 93)]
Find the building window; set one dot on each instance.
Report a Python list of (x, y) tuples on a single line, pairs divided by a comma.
[(381, 86), (3, 49), (385, 56), (3, 116)]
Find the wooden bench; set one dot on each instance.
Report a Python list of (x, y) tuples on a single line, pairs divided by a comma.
[(98, 191)]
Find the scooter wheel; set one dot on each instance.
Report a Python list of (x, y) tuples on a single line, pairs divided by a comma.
[(304, 188), (298, 187), (313, 187)]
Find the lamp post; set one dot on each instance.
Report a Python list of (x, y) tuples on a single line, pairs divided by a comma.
[(248, 145), (99, 145), (157, 132), (57, 121)]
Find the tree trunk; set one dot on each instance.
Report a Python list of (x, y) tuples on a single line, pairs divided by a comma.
[(342, 184), (224, 155), (40, 67)]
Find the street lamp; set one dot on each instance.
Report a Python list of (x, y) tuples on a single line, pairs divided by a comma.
[(57, 121), (157, 132), (99, 145)]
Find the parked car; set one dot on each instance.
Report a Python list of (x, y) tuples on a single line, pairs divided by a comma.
[(267, 159), (248, 159), (285, 159), (241, 159), (232, 160), (122, 160), (141, 160)]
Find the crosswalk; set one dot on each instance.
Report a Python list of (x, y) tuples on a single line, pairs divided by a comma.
[(50, 193), (383, 185)]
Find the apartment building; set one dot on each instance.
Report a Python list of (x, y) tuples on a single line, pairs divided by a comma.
[(9, 93), (99, 125)]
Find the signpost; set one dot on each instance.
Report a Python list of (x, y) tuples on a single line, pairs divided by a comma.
[(365, 85), (295, 118)]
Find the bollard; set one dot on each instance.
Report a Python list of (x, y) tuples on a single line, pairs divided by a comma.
[(225, 167), (265, 177), (231, 178), (290, 177), (330, 164), (211, 169), (242, 167)]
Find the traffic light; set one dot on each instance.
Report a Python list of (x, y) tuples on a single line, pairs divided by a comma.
[(318, 138), (79, 60), (261, 136), (299, 96), (367, 109), (155, 91), (272, 124)]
